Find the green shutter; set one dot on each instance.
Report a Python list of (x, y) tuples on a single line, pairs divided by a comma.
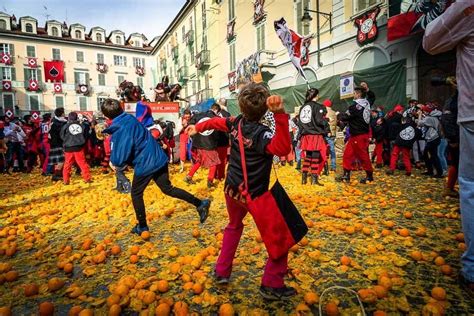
[(40, 78), (13, 74), (299, 11), (88, 82), (26, 76), (125, 60), (76, 78)]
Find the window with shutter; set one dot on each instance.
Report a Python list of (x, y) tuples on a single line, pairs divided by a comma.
[(56, 54), (30, 51), (34, 102), (100, 58), (82, 103), (80, 56), (8, 100), (101, 80), (120, 79), (6, 73), (232, 56), (59, 101), (261, 37), (140, 82), (13, 70)]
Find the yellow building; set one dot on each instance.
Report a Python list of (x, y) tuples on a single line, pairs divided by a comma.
[(82, 51), (233, 33)]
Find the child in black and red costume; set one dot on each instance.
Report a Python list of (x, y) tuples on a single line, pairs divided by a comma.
[(358, 118), (204, 149), (313, 127), (260, 147), (407, 135)]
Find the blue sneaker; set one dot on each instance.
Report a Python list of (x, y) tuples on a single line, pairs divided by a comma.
[(139, 230), (203, 210)]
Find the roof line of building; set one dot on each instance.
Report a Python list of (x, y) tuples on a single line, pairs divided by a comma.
[(76, 42), (175, 21)]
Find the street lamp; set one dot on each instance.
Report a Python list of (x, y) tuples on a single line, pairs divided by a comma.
[(306, 19)]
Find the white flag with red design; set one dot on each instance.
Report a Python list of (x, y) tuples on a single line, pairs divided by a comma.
[(296, 45), (58, 87), (32, 62), (5, 58), (33, 85), (6, 85)]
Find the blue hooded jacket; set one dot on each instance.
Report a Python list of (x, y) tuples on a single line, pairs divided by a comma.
[(132, 144), (143, 114)]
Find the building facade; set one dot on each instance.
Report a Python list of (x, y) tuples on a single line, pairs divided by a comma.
[(238, 34), (95, 58)]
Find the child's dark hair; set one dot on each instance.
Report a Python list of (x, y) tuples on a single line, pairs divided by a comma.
[(362, 91), (253, 101), (111, 108), (311, 94), (216, 107), (59, 112)]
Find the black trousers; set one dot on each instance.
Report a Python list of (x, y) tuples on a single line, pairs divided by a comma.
[(431, 157), (14, 150), (161, 178)]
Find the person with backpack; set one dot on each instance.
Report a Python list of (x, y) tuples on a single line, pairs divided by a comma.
[(428, 119), (74, 140)]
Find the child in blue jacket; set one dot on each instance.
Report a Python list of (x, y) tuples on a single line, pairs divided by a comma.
[(133, 145)]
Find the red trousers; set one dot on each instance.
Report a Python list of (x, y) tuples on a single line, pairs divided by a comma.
[(289, 157), (46, 148), (378, 152), (405, 157), (222, 152), (210, 175), (275, 270), (183, 142), (357, 148), (80, 158)]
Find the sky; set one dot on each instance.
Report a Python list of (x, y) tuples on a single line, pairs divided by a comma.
[(150, 17)]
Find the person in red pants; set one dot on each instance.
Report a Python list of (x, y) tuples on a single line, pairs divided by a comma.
[(44, 131), (205, 150), (260, 147), (379, 131), (222, 142), (406, 137), (74, 141), (183, 139), (357, 147)]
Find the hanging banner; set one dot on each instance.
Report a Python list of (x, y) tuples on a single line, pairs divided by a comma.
[(6, 85), (5, 58), (33, 85), (232, 81), (54, 71), (32, 62), (258, 14), (346, 86), (156, 107), (296, 45), (57, 87), (248, 70), (367, 29), (408, 18)]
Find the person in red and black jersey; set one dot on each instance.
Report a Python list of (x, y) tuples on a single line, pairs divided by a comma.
[(183, 139), (408, 133), (204, 149), (312, 128), (222, 142), (260, 147), (358, 118)]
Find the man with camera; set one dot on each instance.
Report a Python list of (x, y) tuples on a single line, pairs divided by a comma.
[(455, 29)]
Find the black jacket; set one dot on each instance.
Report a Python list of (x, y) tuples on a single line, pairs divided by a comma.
[(378, 132), (358, 117), (393, 125), (55, 133), (371, 97), (73, 136), (407, 134), (208, 139), (222, 137), (311, 119)]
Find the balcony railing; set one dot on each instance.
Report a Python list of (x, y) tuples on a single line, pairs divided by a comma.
[(204, 95), (175, 53), (183, 74), (203, 59), (190, 37)]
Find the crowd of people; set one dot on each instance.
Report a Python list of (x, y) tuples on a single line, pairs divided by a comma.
[(426, 135)]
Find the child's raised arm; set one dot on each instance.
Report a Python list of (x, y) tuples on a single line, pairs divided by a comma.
[(280, 145), (217, 123)]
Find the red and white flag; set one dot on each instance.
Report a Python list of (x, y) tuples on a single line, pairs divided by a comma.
[(57, 87), (6, 85), (32, 62), (9, 113), (54, 71), (33, 85), (5, 58), (297, 45), (35, 116)]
